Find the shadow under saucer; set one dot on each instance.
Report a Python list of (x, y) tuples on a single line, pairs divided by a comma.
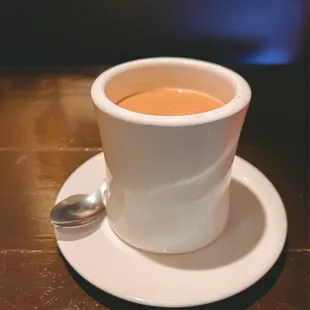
[(241, 301)]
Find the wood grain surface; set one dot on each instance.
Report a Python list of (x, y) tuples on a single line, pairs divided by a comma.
[(48, 128)]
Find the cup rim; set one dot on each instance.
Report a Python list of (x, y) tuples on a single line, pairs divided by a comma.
[(240, 100)]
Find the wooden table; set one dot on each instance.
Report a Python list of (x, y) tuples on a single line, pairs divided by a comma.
[(47, 129)]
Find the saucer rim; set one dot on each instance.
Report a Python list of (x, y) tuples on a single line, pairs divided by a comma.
[(269, 259)]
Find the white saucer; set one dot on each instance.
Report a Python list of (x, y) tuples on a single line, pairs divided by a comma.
[(246, 250)]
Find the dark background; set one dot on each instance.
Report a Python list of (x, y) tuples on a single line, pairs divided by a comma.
[(272, 32)]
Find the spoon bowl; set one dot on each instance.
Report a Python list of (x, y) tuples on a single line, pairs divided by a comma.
[(78, 210)]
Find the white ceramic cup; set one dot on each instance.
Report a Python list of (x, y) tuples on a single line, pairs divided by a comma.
[(168, 176)]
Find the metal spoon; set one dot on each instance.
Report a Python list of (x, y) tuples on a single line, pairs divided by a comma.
[(79, 210)]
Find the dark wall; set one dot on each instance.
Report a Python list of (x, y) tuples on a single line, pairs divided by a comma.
[(101, 31)]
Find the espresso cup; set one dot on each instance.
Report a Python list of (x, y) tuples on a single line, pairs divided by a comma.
[(168, 177)]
